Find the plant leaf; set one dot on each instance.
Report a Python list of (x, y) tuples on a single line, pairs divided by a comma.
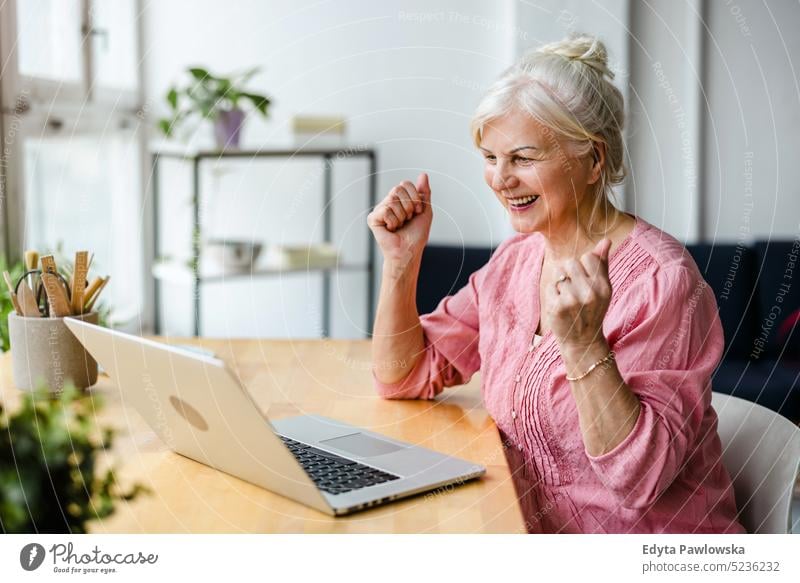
[(54, 444), (261, 102), (165, 126), (172, 98), (200, 74)]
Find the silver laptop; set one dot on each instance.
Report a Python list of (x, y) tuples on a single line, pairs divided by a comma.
[(200, 410)]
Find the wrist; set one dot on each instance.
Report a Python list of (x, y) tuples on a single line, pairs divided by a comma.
[(579, 357), (401, 269)]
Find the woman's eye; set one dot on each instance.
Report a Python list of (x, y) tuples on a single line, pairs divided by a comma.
[(490, 158), (524, 161)]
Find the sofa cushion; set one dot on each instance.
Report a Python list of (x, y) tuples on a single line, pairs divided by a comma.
[(778, 283), (444, 270), (729, 270), (789, 338), (766, 381)]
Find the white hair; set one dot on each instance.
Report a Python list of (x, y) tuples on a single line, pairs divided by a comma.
[(566, 86)]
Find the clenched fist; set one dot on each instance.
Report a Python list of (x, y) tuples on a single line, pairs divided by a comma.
[(401, 222), (579, 301)]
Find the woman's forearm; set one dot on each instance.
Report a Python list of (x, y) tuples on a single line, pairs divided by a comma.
[(397, 340), (607, 408)]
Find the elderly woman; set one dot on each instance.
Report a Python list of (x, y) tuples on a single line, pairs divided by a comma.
[(595, 334)]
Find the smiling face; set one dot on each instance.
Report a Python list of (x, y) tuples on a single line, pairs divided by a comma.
[(536, 176)]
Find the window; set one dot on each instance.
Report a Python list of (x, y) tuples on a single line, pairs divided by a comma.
[(73, 137)]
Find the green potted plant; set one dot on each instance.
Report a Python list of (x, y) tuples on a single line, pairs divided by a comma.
[(50, 450), (6, 306), (214, 98)]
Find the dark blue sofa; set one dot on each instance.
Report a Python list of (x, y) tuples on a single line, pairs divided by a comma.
[(758, 293)]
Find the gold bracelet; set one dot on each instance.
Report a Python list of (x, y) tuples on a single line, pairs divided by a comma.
[(607, 358)]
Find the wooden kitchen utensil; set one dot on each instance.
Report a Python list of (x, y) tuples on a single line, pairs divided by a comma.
[(96, 294), (78, 284), (91, 289), (31, 259), (12, 293), (56, 295), (49, 264), (27, 300)]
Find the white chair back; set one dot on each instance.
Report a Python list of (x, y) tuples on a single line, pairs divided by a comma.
[(761, 451)]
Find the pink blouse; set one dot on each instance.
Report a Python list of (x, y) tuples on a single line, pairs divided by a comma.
[(666, 475)]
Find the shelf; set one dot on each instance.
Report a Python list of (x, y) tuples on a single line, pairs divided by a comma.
[(180, 273), (277, 151)]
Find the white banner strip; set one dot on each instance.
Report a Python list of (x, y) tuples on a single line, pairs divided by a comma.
[(400, 558)]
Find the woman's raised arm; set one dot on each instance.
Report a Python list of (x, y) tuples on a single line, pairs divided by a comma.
[(401, 225)]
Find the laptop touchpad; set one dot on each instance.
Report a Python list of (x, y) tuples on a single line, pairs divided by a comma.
[(362, 445)]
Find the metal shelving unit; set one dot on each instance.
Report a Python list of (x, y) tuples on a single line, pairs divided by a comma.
[(193, 274)]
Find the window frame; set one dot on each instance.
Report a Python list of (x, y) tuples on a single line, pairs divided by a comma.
[(33, 106)]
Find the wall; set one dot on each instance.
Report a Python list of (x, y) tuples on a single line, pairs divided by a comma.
[(407, 76), (752, 128), (715, 118), (663, 147)]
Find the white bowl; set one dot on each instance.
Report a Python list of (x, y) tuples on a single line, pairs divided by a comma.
[(232, 255)]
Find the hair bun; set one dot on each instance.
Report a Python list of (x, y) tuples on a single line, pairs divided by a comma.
[(587, 49)]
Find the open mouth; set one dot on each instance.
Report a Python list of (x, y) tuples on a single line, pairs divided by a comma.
[(522, 203)]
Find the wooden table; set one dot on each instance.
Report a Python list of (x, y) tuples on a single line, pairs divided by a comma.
[(291, 377)]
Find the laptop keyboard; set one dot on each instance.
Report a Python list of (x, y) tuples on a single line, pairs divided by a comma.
[(332, 473)]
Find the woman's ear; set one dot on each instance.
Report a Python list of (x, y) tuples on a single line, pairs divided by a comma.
[(598, 161)]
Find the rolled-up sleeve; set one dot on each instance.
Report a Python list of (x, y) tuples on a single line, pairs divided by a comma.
[(451, 353), (667, 359), (451, 335)]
